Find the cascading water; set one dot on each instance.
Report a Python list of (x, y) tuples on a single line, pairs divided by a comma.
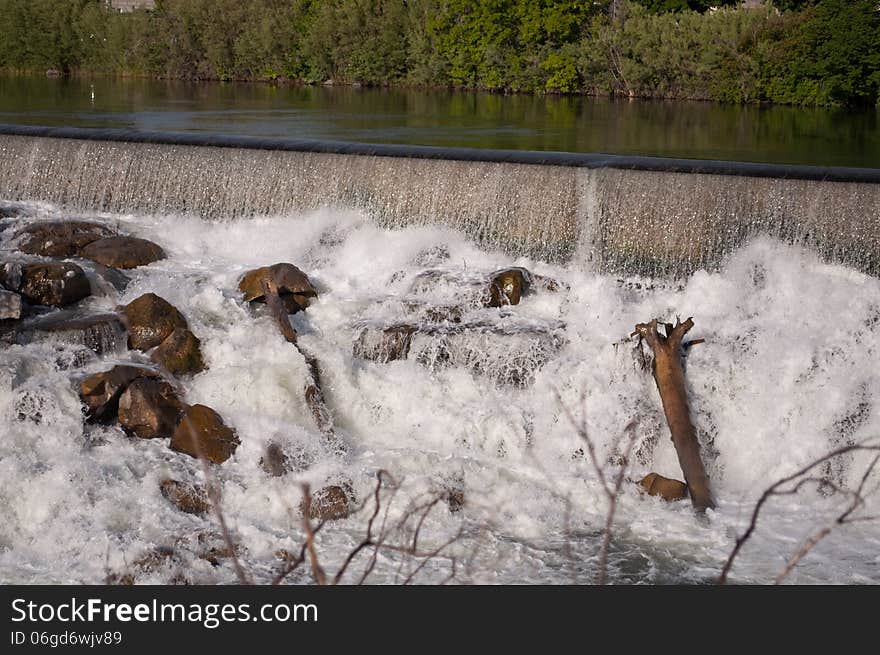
[(776, 272), (787, 372)]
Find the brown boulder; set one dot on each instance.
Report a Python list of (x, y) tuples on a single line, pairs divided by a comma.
[(507, 287), (101, 392), (180, 353), (123, 252), (328, 504), (656, 485), (151, 320), (186, 497), (51, 283), (150, 409), (59, 238), (294, 287), (201, 430)]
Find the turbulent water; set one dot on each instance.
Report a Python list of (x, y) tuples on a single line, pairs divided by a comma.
[(489, 406)]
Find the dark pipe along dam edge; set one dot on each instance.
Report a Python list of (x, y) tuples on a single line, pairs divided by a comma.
[(582, 160)]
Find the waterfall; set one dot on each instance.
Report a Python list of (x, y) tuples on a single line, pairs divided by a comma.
[(613, 214)]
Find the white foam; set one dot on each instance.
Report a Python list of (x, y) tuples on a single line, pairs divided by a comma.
[(787, 372)]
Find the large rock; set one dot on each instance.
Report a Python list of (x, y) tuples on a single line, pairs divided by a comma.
[(186, 497), (10, 305), (201, 430), (668, 489), (150, 409), (100, 392), (100, 333), (151, 320), (180, 353), (294, 287), (59, 238), (46, 283), (123, 252)]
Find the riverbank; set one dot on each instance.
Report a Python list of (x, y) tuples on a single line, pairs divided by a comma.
[(821, 55)]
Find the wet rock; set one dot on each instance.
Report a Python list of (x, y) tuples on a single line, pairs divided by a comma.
[(122, 252), (46, 283), (507, 287), (109, 277), (10, 305), (328, 503), (150, 321), (186, 497), (201, 430), (275, 462), (294, 287), (101, 392), (656, 485), (385, 345), (150, 409), (59, 238), (100, 333), (180, 353)]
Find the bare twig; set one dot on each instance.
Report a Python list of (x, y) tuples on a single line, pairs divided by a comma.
[(213, 490), (317, 570), (801, 479), (612, 488)]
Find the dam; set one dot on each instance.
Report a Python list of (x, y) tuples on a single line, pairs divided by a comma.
[(611, 213)]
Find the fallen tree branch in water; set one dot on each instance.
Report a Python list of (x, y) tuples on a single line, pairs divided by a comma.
[(801, 479), (314, 395), (669, 376)]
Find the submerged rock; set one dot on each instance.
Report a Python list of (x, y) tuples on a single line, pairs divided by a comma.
[(275, 462), (100, 392), (668, 489), (151, 320), (150, 409), (201, 430), (186, 497), (328, 504), (10, 305), (123, 252), (180, 353), (100, 333), (294, 287), (56, 284), (59, 238), (510, 354), (384, 345)]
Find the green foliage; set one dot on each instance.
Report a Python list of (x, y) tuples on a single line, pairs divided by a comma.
[(665, 6), (812, 52)]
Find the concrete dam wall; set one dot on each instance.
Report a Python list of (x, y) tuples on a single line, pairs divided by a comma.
[(618, 214)]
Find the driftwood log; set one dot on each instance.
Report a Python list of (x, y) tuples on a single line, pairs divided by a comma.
[(669, 376), (313, 393)]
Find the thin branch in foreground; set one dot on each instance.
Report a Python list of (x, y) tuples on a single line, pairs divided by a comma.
[(213, 490), (612, 488), (778, 489)]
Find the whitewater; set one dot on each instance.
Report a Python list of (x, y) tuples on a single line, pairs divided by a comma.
[(787, 372)]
